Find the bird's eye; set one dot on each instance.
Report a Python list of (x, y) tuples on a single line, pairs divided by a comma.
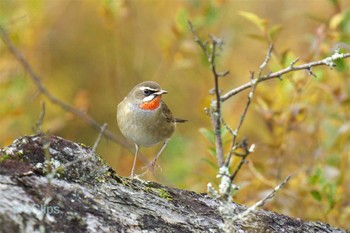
[(147, 92)]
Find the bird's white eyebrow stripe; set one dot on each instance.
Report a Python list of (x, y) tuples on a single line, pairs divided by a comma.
[(147, 88)]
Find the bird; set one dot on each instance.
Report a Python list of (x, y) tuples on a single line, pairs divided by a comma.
[(146, 120)]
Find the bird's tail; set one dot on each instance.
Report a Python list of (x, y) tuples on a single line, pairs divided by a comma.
[(178, 120)]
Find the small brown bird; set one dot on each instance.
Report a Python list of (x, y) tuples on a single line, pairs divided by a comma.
[(145, 119)]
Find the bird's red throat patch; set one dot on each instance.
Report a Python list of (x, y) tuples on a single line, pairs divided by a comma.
[(151, 105)]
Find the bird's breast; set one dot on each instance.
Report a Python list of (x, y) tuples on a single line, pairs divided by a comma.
[(143, 126)]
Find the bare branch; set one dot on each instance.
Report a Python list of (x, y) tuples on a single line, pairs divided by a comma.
[(247, 151), (38, 128), (103, 128), (294, 62), (266, 61), (261, 202), (43, 90), (223, 74), (324, 62), (201, 44), (216, 114), (254, 83), (215, 110)]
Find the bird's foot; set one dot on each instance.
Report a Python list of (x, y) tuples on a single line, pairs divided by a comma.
[(136, 177), (151, 166)]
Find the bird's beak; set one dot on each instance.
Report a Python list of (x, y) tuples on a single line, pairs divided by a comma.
[(161, 92)]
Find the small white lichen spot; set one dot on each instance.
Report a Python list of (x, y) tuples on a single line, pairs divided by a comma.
[(253, 81), (235, 132), (10, 150), (55, 163), (68, 151), (225, 180), (36, 138), (209, 187), (53, 151), (211, 191), (251, 95), (252, 148), (38, 165), (337, 55), (329, 60), (213, 104), (24, 141)]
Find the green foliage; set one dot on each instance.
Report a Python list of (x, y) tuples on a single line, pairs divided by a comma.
[(323, 189), (181, 20), (341, 65), (208, 134), (316, 195)]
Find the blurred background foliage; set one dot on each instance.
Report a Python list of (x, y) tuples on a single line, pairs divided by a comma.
[(91, 53)]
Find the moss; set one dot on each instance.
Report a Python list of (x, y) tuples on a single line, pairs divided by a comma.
[(164, 194), (60, 170), (122, 180), (20, 153), (100, 179), (148, 190), (4, 157), (83, 145), (151, 184), (125, 182)]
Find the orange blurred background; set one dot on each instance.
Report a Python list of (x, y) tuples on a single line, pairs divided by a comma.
[(91, 53)]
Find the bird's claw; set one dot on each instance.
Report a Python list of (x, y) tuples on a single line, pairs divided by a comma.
[(151, 166)]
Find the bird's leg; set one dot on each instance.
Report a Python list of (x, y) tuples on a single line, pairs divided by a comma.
[(137, 148), (153, 162)]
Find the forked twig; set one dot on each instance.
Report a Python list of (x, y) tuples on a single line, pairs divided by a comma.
[(329, 61), (240, 123), (262, 202), (215, 110)]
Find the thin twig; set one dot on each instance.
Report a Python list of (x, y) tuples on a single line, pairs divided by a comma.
[(39, 122), (247, 151), (266, 61), (199, 41), (262, 202), (215, 111), (103, 128), (216, 114), (235, 132), (324, 62), (243, 161), (240, 123), (42, 89)]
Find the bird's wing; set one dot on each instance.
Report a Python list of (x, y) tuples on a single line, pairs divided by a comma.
[(166, 113), (169, 116)]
